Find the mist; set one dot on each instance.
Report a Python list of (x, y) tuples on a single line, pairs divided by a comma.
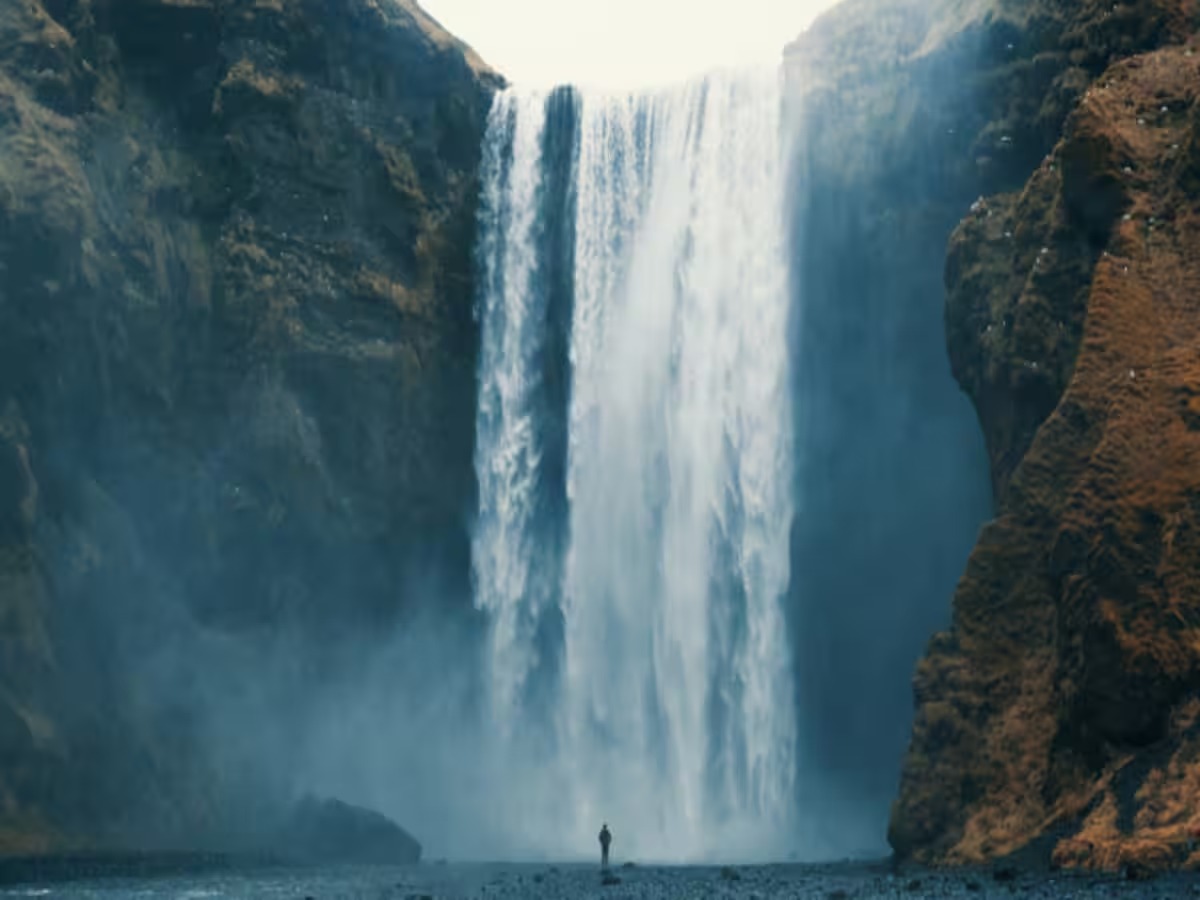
[(425, 719), (892, 478)]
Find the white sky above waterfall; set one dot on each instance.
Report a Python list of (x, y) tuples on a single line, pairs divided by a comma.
[(622, 43)]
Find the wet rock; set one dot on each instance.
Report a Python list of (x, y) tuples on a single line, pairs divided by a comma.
[(1004, 874), (1138, 871)]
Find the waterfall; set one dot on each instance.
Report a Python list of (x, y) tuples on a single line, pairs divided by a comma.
[(505, 547), (634, 456)]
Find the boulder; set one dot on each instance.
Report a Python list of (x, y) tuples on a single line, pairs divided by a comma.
[(330, 831)]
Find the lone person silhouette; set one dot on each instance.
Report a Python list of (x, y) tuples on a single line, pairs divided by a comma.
[(605, 841)]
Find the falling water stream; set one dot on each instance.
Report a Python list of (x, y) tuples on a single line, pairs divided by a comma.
[(634, 456)]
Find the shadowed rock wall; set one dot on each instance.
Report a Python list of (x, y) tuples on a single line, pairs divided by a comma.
[(237, 359)]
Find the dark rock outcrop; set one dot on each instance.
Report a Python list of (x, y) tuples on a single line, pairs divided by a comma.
[(236, 368), (330, 831)]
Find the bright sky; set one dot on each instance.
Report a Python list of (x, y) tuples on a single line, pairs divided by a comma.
[(622, 43)]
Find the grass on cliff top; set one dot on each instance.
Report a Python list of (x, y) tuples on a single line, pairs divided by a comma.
[(439, 36)]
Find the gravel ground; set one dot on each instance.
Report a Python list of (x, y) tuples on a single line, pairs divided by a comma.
[(545, 882)]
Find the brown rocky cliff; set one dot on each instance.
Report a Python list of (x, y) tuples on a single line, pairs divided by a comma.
[(1058, 713), (236, 363), (910, 111)]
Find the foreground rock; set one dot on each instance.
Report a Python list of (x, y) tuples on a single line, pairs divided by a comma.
[(329, 831)]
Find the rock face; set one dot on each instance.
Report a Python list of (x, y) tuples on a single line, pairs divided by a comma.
[(1057, 715), (909, 111), (1064, 698), (236, 365)]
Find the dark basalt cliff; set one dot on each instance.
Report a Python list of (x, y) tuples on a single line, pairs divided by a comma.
[(1058, 713), (236, 368)]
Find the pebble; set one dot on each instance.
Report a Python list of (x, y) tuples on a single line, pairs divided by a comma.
[(533, 882)]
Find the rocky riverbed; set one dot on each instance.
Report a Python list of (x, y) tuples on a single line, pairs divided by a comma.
[(551, 882)]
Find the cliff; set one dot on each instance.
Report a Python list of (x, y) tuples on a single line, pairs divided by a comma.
[(1072, 663), (236, 371), (1057, 715)]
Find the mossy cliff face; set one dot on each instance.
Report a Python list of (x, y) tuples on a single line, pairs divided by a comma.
[(1063, 701), (236, 362), (1057, 713), (907, 113)]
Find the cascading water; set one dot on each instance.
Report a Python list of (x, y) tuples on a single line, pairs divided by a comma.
[(506, 551), (632, 541)]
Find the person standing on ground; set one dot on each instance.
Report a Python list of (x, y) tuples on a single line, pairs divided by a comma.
[(605, 842)]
